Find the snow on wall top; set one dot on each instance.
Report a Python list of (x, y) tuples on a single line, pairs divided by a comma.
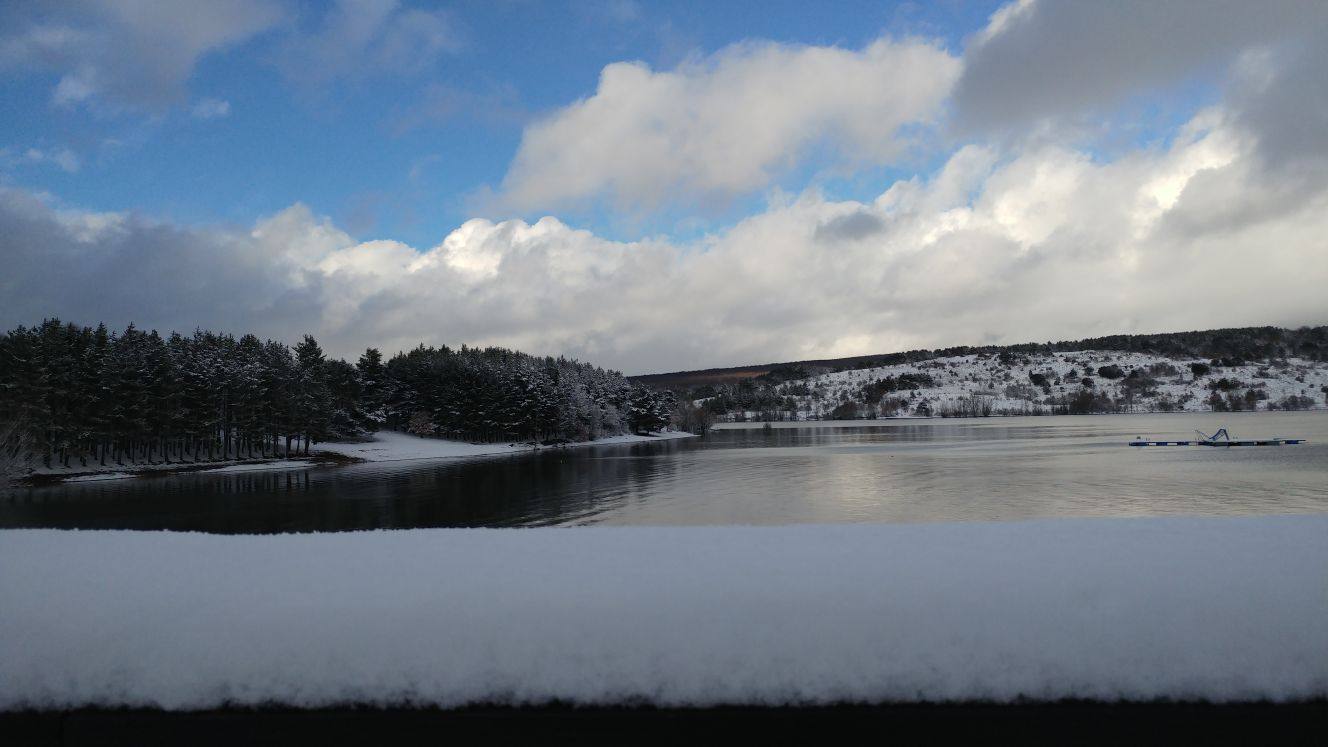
[(1219, 609)]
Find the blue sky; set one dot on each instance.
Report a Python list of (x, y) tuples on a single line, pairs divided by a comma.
[(662, 186), (368, 149)]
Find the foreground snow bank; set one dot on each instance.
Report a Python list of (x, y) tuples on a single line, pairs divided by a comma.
[(1221, 609), (393, 446)]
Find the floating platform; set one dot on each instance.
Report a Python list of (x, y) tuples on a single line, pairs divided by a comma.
[(1220, 438), (1254, 442)]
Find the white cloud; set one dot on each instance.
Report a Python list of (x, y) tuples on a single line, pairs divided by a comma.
[(358, 39), (726, 124), (211, 109), (1047, 243), (128, 53)]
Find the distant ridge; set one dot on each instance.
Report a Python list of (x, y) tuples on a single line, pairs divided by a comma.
[(1235, 344)]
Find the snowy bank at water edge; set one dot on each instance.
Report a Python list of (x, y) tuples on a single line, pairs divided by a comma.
[(94, 472), (1136, 609), (392, 446), (263, 466), (385, 446)]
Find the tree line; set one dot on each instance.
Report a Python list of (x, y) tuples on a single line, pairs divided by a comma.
[(1225, 347), (70, 392)]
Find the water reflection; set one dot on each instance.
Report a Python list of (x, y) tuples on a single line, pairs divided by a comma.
[(972, 470)]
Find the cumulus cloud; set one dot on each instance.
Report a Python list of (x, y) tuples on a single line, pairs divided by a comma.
[(358, 39), (727, 124), (127, 53), (1039, 59), (1048, 243)]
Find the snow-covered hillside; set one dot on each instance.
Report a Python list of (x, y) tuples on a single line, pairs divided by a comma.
[(1060, 382)]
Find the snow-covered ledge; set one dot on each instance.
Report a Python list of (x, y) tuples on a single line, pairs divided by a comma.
[(1219, 609)]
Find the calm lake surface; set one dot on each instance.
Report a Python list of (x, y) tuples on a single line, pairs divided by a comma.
[(864, 471)]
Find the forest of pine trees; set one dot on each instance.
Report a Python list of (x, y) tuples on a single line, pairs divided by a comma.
[(72, 394)]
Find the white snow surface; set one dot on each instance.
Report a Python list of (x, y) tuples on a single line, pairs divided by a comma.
[(1138, 609), (262, 466), (99, 476), (393, 446)]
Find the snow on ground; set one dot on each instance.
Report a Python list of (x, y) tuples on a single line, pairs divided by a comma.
[(277, 464), (635, 439), (393, 446), (1010, 390), (1137, 609), (99, 476), (386, 446)]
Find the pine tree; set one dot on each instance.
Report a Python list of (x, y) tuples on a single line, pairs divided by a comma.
[(312, 396), (347, 419), (373, 387)]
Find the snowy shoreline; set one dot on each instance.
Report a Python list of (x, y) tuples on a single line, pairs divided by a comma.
[(98, 473), (393, 446), (386, 446), (1221, 610)]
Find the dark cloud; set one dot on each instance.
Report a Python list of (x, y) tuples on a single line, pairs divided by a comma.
[(1283, 102), (852, 227), (120, 269), (1046, 60)]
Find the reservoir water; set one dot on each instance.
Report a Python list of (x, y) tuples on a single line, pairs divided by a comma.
[(981, 469)]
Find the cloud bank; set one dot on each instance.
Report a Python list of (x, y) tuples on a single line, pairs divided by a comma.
[(1219, 223), (1045, 244)]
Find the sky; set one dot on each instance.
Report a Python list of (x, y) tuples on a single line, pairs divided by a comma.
[(664, 186)]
